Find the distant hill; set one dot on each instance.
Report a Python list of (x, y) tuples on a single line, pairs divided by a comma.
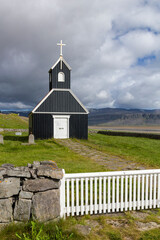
[(13, 121), (121, 117), (113, 116), (20, 113)]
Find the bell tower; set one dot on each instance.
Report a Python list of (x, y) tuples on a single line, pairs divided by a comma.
[(59, 73)]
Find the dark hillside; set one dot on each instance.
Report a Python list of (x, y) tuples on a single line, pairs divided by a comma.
[(118, 116)]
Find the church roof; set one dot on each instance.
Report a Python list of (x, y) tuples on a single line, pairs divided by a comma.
[(60, 101), (61, 58)]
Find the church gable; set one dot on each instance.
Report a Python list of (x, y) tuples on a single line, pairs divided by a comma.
[(60, 101)]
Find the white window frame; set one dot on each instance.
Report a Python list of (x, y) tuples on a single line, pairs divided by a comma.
[(61, 77)]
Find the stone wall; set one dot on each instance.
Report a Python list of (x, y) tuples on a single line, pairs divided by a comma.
[(13, 130), (30, 192)]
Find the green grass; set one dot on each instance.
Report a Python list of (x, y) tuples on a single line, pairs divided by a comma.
[(102, 229), (15, 153), (140, 150), (12, 121)]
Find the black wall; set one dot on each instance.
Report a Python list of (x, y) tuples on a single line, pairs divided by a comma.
[(78, 125), (54, 82), (42, 126), (60, 101)]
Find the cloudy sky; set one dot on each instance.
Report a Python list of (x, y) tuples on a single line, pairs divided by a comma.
[(112, 46)]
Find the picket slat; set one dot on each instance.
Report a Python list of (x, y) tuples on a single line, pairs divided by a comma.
[(130, 193), (72, 195), (68, 198), (158, 191), (154, 191), (138, 194), (91, 195), (77, 196), (146, 191), (150, 191), (113, 194), (126, 193), (109, 196), (104, 195), (122, 179), (117, 200), (82, 197), (134, 193), (142, 196), (86, 195), (100, 195), (95, 195)]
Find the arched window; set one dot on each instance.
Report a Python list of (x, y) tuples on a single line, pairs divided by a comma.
[(61, 77)]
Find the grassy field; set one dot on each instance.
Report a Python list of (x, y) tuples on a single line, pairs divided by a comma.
[(109, 226), (15, 153), (140, 150), (12, 121)]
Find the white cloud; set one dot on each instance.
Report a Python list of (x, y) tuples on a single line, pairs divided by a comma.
[(105, 41)]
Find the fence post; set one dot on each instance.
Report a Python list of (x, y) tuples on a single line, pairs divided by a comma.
[(158, 191), (62, 196)]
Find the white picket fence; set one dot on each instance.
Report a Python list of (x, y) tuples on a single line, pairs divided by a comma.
[(101, 192)]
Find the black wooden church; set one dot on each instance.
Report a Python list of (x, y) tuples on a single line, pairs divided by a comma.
[(60, 114)]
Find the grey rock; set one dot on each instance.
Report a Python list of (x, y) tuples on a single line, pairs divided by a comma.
[(7, 165), (146, 226), (5, 210), (46, 205), (9, 187), (31, 139), (29, 165), (82, 229), (40, 185), (25, 195), (18, 172), (50, 162), (22, 210), (36, 164), (49, 171), (2, 172), (33, 173), (1, 139)]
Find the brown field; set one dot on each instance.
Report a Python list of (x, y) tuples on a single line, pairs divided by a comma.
[(145, 129)]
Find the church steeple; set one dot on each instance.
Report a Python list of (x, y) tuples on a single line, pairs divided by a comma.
[(59, 73)]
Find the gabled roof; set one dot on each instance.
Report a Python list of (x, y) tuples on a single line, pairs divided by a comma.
[(61, 58), (58, 101)]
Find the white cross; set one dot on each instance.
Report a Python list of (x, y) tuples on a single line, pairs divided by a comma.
[(61, 45)]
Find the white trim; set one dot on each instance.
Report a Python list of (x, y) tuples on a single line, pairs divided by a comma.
[(61, 58), (42, 101), (60, 89), (79, 101), (62, 117), (60, 113)]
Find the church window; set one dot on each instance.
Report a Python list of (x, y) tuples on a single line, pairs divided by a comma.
[(61, 77)]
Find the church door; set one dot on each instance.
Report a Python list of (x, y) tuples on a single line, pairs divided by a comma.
[(61, 126)]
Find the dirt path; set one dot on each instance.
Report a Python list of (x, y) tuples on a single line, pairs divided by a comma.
[(109, 161)]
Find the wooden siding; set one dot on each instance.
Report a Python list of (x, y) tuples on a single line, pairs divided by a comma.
[(78, 125), (60, 101), (54, 82), (42, 126), (30, 123)]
